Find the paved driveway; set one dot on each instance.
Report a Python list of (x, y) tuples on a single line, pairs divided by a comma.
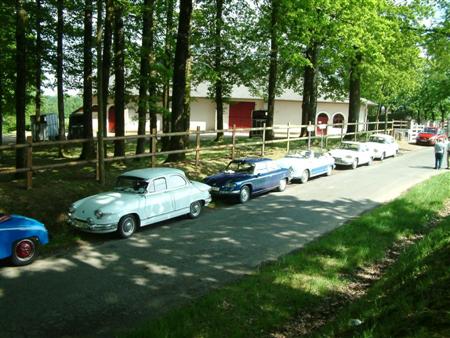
[(120, 282)]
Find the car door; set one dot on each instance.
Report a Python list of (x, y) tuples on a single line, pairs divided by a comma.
[(180, 190), (365, 154), (158, 200), (261, 179)]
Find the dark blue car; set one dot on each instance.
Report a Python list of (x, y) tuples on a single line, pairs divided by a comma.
[(20, 237), (246, 177)]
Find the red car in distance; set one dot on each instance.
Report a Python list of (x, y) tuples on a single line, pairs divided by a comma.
[(430, 135)]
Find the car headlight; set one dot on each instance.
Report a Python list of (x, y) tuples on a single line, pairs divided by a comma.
[(71, 209), (349, 157), (375, 150), (90, 221), (229, 185), (98, 213)]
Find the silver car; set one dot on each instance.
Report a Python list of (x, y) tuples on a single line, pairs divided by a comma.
[(140, 197)]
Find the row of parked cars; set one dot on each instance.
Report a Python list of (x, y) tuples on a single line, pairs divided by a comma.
[(146, 196)]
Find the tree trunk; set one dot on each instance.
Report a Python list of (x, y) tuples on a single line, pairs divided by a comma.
[(272, 68), (146, 51), (21, 81), (309, 103), (106, 64), (187, 101), (100, 110), (119, 73), (168, 64), (355, 94), (38, 74), (1, 110), (179, 79), (59, 72), (88, 147), (218, 87)]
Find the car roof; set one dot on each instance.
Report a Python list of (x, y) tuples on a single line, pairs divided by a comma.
[(252, 159), (381, 135), (150, 173)]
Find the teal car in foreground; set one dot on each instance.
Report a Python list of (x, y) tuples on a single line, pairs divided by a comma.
[(140, 197), (247, 177)]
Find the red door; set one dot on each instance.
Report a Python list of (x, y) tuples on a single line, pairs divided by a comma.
[(241, 114), (112, 119), (322, 119)]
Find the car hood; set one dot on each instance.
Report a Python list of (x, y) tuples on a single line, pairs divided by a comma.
[(426, 135), (201, 186), (223, 177), (16, 221), (113, 201), (342, 152)]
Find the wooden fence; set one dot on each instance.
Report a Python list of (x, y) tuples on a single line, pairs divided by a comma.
[(283, 134)]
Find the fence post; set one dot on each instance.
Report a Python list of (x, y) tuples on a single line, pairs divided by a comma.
[(197, 149), (153, 138), (342, 131), (309, 135), (355, 131), (30, 162), (288, 136), (233, 140), (263, 140), (100, 158)]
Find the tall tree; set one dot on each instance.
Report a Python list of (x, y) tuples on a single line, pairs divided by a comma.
[(38, 69), (168, 70), (273, 65), (106, 61), (179, 79), (119, 75), (60, 70), (21, 80), (88, 147), (146, 52), (218, 56), (310, 79)]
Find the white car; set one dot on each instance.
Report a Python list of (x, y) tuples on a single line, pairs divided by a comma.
[(352, 154), (307, 164), (140, 197), (382, 146)]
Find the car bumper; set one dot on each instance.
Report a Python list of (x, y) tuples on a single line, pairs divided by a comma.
[(92, 228), (342, 161), (217, 191), (427, 141)]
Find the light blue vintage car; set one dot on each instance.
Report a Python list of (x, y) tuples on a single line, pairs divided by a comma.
[(306, 164), (140, 197)]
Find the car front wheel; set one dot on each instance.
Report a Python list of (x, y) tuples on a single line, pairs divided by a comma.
[(305, 176), (244, 194), (329, 170), (127, 226), (382, 156), (195, 209), (282, 185), (24, 252), (369, 163), (355, 164)]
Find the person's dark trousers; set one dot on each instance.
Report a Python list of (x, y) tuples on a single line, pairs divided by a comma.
[(438, 161), (448, 159)]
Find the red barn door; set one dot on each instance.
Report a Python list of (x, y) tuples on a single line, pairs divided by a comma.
[(241, 114)]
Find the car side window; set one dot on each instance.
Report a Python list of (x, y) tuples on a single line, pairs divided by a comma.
[(175, 181), (160, 184), (260, 168)]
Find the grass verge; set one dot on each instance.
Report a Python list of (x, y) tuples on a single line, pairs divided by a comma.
[(263, 302), (411, 300)]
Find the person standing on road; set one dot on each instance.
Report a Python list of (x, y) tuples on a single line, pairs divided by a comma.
[(439, 148), (448, 154)]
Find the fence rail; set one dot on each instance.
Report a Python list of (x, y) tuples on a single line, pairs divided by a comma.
[(289, 133)]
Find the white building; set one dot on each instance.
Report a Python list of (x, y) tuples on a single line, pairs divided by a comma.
[(238, 112)]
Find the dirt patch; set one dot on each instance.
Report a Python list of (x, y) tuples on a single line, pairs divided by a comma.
[(307, 321)]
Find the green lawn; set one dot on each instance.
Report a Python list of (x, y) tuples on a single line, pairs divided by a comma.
[(266, 301)]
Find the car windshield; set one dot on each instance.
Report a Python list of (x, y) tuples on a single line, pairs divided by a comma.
[(349, 146), (430, 130), (131, 184), (302, 154), (377, 139), (240, 167)]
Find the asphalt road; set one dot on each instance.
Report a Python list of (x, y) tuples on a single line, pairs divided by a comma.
[(96, 289)]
